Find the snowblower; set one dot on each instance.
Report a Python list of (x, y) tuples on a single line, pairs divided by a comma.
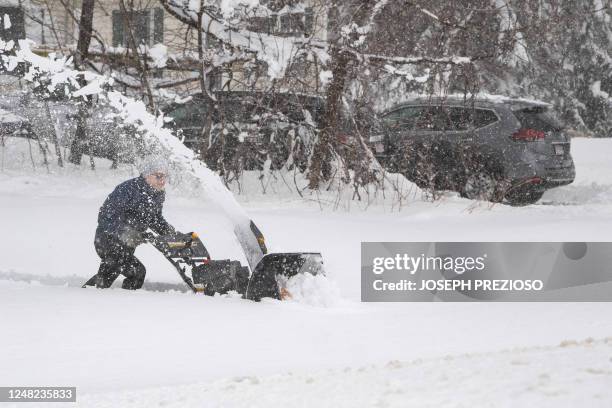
[(189, 256)]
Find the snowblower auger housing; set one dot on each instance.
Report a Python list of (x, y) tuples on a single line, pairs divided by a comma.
[(187, 253), (263, 281)]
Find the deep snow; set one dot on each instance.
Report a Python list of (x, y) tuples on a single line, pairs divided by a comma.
[(570, 374), (133, 343)]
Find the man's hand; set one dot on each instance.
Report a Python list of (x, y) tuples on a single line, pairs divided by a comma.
[(132, 238)]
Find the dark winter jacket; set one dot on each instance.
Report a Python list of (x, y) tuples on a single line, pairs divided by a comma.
[(133, 206)]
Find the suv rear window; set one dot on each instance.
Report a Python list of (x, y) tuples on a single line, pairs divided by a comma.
[(439, 118), (468, 118), (538, 118), (242, 108), (484, 117)]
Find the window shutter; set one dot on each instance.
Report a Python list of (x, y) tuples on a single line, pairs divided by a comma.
[(285, 23), (308, 22), (141, 26), (117, 28), (158, 25), (17, 29)]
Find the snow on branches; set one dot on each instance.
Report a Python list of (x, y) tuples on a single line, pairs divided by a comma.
[(222, 21)]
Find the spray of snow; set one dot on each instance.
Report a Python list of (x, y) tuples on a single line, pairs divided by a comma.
[(159, 139), (313, 290)]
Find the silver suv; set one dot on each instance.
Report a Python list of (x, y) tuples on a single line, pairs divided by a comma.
[(493, 149)]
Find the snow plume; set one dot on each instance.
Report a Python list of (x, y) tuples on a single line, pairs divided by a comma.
[(313, 290), (56, 73)]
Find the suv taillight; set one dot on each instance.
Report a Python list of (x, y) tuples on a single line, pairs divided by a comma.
[(528, 135)]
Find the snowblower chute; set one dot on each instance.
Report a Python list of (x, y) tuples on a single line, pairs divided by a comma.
[(188, 255)]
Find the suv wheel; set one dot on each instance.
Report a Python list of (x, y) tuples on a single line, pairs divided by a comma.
[(523, 196), (481, 185)]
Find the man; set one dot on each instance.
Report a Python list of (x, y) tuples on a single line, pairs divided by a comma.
[(127, 213)]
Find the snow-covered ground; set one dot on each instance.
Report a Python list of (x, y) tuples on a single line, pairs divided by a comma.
[(570, 374), (175, 349)]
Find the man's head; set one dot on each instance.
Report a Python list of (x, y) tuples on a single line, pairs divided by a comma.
[(155, 172)]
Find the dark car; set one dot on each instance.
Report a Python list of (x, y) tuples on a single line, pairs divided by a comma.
[(246, 128), (493, 148)]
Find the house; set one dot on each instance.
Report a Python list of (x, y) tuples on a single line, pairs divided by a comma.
[(53, 26)]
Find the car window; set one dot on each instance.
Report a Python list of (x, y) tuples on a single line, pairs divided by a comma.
[(538, 118), (461, 118), (484, 117), (402, 119), (469, 118)]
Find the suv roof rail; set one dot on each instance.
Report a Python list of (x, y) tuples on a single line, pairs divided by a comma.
[(480, 98)]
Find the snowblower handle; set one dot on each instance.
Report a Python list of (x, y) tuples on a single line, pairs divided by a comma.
[(193, 237)]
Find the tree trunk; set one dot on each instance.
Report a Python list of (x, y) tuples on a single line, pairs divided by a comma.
[(204, 84), (320, 164), (85, 28), (141, 65)]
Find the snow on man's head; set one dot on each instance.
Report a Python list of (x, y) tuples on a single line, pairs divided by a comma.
[(154, 164)]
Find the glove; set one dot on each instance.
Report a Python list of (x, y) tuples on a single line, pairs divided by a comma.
[(132, 238), (184, 236)]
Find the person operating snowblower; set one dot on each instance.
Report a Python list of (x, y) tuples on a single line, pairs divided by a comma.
[(135, 207), (123, 220)]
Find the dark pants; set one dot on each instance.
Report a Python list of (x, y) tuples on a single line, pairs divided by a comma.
[(117, 259)]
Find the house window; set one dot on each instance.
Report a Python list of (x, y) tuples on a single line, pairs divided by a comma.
[(11, 24), (286, 24), (147, 27), (292, 23), (266, 25)]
